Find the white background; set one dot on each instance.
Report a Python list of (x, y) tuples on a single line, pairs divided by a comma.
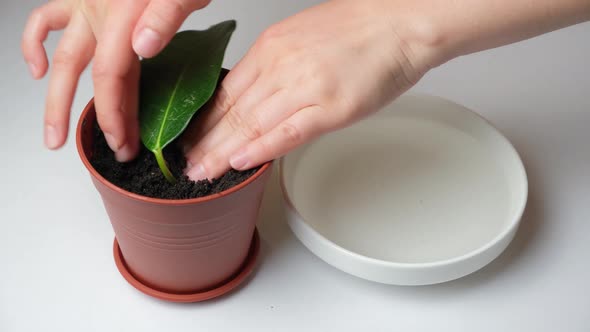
[(57, 271)]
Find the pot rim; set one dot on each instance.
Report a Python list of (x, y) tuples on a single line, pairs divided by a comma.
[(146, 199)]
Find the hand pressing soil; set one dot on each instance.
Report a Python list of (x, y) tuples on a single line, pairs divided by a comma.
[(142, 176)]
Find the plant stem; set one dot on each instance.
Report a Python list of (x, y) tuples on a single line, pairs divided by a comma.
[(163, 166)]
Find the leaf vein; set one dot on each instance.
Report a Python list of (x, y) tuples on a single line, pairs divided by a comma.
[(167, 111)]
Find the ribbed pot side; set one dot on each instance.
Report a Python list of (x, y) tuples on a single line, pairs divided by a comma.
[(178, 246)]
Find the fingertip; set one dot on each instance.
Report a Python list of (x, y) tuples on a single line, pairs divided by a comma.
[(35, 59), (53, 138), (158, 24), (34, 69), (51, 16), (196, 173), (240, 160), (147, 42), (127, 152)]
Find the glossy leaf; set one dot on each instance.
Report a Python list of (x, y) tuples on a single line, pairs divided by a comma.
[(177, 83)]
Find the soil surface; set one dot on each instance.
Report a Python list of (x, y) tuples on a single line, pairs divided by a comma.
[(143, 176)]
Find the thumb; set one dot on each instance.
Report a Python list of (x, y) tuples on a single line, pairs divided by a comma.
[(159, 22)]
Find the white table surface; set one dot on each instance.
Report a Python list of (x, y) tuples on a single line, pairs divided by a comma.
[(57, 271)]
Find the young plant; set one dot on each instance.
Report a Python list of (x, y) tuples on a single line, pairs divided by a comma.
[(176, 83)]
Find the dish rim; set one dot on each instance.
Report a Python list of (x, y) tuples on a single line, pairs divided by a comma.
[(514, 218)]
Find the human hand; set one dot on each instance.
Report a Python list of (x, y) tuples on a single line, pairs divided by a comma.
[(317, 71), (113, 33)]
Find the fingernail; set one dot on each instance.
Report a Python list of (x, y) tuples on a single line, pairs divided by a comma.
[(51, 138), (147, 43), (126, 153), (239, 161), (112, 142), (33, 69), (197, 173)]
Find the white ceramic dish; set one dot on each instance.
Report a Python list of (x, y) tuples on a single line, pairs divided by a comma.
[(426, 191)]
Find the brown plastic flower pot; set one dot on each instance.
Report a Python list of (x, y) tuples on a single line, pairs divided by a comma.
[(179, 250)]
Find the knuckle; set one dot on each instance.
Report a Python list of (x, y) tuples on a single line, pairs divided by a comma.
[(200, 4), (211, 163), (90, 7), (224, 100), (234, 120), (99, 69), (275, 30), (319, 83), (166, 14), (102, 70), (286, 62), (106, 121), (265, 37), (64, 59), (50, 121), (175, 8), (269, 36), (291, 133), (251, 128), (37, 15)]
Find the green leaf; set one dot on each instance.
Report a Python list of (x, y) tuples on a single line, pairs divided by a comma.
[(176, 83)]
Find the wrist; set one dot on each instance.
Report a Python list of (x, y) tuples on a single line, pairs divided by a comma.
[(438, 31), (419, 34)]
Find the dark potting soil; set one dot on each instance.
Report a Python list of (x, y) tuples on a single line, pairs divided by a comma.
[(143, 176)]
